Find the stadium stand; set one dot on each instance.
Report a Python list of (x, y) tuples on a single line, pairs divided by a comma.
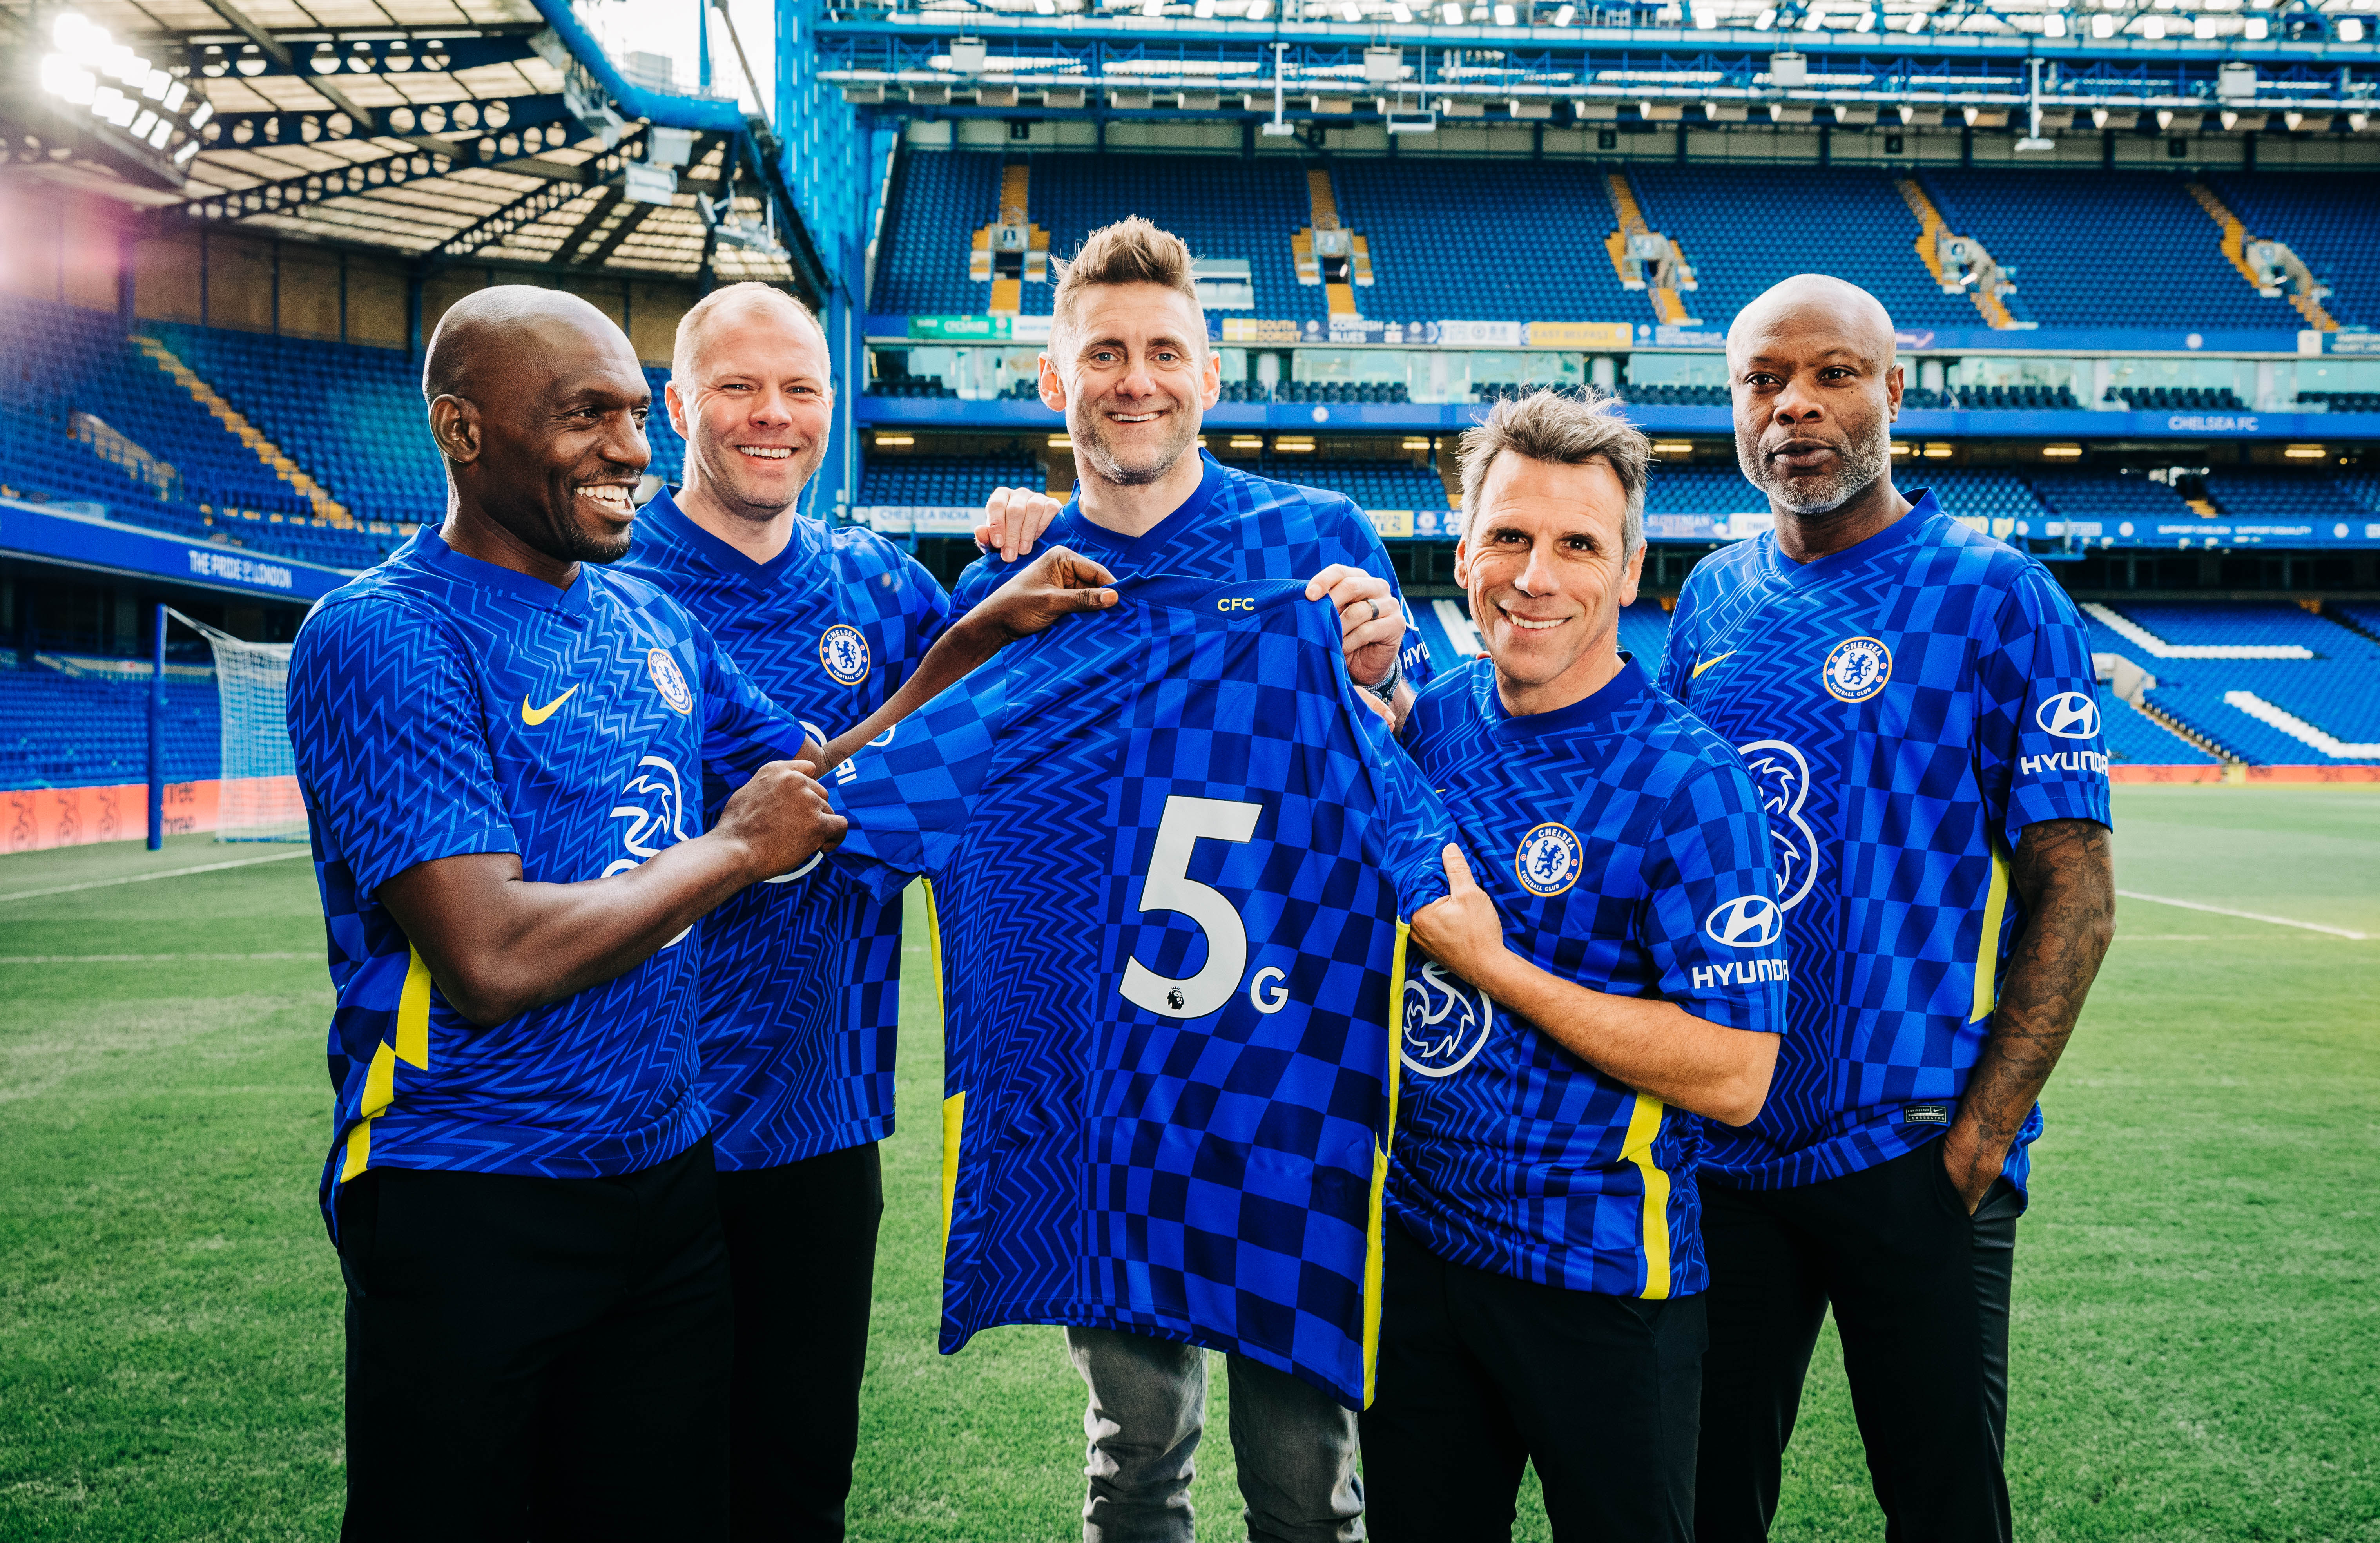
[(2177, 398), (2327, 219), (2136, 739), (1224, 207), (1723, 218), (1371, 484), (941, 481), (2105, 495), (2255, 493), (91, 730), (1495, 240), (2148, 255), (58, 360), (2194, 652)]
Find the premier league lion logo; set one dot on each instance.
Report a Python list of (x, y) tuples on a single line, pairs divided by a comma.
[(1444, 1023), (1857, 669), (1548, 860), (843, 649)]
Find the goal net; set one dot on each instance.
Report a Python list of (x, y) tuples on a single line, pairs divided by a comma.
[(256, 798)]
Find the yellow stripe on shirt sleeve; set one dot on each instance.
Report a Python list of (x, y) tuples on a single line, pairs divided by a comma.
[(1644, 1129), (411, 1046), (1987, 952)]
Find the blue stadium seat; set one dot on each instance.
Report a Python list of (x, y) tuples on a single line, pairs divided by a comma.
[(58, 730), (2328, 219)]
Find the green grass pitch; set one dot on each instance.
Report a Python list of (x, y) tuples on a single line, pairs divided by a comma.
[(2197, 1317)]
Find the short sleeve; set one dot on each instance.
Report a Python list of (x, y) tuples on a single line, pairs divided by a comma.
[(743, 729), (1709, 916), (907, 793), (392, 750), (2041, 748)]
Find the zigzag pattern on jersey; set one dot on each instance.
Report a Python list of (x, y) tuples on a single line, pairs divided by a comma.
[(1237, 528), (1518, 1160), (1905, 797), (410, 691), (1206, 1179), (801, 993)]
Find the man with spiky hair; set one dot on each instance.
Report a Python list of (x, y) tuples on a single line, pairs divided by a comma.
[(1129, 365)]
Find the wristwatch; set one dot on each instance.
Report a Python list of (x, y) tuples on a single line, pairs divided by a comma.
[(1387, 689)]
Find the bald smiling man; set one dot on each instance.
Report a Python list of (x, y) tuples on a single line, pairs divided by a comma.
[(503, 749), (1916, 703)]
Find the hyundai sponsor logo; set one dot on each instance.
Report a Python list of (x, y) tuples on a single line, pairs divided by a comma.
[(2069, 715), (1750, 921)]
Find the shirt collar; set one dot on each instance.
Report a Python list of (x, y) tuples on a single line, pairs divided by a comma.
[(1902, 532), (661, 521), (1589, 713), (1081, 531), (429, 548)]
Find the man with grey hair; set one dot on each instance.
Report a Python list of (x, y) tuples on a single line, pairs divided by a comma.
[(801, 979), (1916, 701), (1544, 1278)]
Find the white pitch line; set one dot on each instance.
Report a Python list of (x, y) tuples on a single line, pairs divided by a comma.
[(166, 873), (141, 958), (2248, 915)]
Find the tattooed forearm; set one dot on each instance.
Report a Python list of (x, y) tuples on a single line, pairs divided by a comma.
[(2064, 872)]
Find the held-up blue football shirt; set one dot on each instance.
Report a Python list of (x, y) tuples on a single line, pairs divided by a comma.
[(1168, 853), (801, 977), (441, 706), (1236, 527), (1625, 849), (1907, 708)]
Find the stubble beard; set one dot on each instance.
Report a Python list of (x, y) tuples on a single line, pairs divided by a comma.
[(1091, 446), (1857, 467)]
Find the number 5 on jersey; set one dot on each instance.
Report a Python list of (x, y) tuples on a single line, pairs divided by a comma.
[(1169, 887)]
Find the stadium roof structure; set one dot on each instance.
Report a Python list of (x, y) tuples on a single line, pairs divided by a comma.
[(452, 130)]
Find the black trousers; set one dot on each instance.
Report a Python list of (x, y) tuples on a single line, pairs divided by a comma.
[(533, 1358), (801, 1241), (1920, 1293), (1480, 1374)]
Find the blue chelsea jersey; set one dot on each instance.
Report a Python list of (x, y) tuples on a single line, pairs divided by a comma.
[(801, 978), (1625, 850), (1907, 708), (1237, 527), (1168, 854), (441, 706)]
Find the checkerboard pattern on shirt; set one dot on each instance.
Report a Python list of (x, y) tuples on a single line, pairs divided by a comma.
[(1907, 708), (1168, 853), (1236, 527), (441, 706), (801, 978), (1626, 850)]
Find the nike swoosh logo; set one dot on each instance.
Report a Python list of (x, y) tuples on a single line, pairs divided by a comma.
[(533, 716), (1708, 663)]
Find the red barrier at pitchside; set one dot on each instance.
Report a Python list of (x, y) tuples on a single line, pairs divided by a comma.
[(36, 818)]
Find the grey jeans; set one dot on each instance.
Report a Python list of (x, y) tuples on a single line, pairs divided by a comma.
[(1295, 1447)]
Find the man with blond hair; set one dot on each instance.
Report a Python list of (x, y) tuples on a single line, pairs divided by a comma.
[(802, 975), (1129, 366), (1612, 902)]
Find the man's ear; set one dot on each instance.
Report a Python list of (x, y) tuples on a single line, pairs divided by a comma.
[(1463, 561), (1895, 381), (1630, 574), (455, 429), (1054, 385), (675, 405), (1210, 383)]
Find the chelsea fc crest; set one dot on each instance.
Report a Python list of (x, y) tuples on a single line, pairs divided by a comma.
[(843, 649), (1548, 860), (667, 681), (1857, 669)]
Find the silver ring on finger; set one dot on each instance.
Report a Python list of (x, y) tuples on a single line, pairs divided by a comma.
[(1376, 608)]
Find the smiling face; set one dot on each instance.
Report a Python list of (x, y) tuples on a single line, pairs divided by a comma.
[(1546, 577), (1131, 370), (546, 437), (756, 405), (1816, 391)]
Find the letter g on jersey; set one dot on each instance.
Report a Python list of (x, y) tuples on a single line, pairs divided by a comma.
[(2069, 715), (1749, 922)]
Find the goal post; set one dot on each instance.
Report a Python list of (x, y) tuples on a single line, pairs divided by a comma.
[(257, 797)]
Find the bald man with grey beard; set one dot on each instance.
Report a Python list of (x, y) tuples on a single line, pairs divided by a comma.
[(1917, 704)]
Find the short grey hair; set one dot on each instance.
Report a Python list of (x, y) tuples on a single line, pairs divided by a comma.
[(1562, 430)]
